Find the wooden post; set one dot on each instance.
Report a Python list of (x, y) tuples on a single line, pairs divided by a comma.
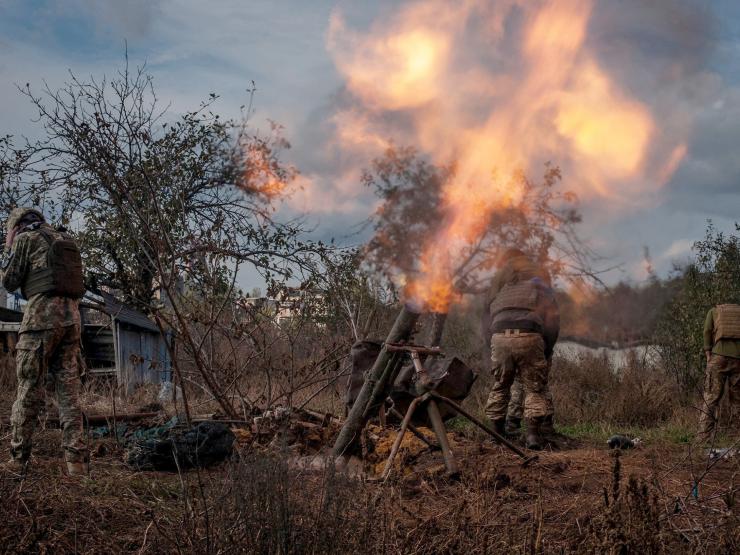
[(441, 432)]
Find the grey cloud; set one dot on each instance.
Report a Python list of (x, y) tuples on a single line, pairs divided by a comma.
[(669, 54), (133, 18)]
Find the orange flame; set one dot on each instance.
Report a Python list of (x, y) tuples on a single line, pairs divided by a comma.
[(556, 102)]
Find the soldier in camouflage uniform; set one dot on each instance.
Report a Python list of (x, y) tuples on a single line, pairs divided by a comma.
[(515, 411), (520, 302), (48, 347), (722, 349)]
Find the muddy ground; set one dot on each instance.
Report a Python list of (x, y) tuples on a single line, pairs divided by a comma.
[(579, 499)]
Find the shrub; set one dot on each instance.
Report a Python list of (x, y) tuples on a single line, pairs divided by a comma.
[(713, 278), (591, 389)]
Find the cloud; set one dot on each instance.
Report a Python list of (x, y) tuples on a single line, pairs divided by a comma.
[(133, 19), (678, 59), (679, 248)]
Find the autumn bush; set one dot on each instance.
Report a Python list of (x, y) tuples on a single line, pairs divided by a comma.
[(591, 389)]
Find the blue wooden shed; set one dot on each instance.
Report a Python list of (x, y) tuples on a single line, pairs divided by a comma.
[(126, 346)]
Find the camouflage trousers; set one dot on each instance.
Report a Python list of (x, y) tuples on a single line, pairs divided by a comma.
[(516, 403), (41, 356), (522, 356), (722, 373)]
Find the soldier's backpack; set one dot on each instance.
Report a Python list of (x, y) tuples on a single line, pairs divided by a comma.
[(726, 322), (62, 275)]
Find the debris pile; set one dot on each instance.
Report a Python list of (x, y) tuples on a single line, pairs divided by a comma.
[(377, 443), (301, 431), (157, 443)]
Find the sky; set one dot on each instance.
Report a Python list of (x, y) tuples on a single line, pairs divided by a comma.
[(679, 60)]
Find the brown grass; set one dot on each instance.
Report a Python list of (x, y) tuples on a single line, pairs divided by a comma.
[(591, 389), (580, 500)]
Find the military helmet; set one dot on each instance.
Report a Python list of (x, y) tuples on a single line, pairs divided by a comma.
[(17, 214)]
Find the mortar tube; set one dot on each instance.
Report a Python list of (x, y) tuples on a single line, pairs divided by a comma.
[(376, 397), (435, 333), (356, 420), (438, 326)]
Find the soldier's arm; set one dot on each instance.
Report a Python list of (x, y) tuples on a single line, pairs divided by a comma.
[(709, 331), (16, 266)]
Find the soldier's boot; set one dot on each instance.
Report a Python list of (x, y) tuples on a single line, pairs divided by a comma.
[(513, 426), (499, 426), (548, 426), (534, 437), (78, 468), (550, 436), (14, 466)]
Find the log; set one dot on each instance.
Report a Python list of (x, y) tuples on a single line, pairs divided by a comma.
[(100, 419)]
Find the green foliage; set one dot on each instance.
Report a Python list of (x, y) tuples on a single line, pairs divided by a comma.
[(713, 278)]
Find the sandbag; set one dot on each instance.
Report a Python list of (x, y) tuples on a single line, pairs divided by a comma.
[(448, 376)]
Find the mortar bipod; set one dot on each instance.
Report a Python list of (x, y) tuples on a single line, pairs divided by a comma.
[(426, 394)]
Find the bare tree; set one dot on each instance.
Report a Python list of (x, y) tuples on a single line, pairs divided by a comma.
[(14, 191), (541, 222), (170, 208)]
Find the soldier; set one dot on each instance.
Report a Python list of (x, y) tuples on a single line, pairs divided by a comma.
[(515, 411), (45, 265), (520, 298), (722, 349)]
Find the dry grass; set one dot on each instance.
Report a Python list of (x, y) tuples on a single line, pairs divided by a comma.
[(591, 389), (571, 501), (574, 501)]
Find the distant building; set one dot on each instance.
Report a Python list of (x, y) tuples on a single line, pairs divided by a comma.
[(10, 322), (289, 303)]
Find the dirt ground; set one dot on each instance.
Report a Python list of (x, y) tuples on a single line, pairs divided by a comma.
[(580, 499)]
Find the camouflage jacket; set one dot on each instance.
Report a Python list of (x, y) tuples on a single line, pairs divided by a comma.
[(43, 312)]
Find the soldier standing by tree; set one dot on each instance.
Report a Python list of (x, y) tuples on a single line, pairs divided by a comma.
[(722, 349), (45, 265)]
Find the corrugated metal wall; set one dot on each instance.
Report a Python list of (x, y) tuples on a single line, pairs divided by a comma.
[(141, 358)]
